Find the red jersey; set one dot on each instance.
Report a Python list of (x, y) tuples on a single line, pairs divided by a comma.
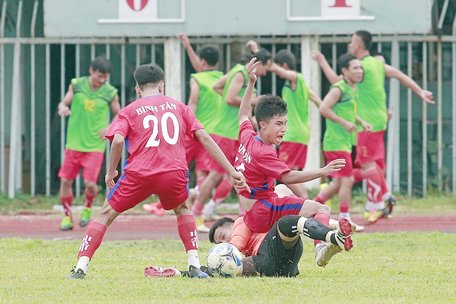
[(243, 239), (156, 128), (258, 162)]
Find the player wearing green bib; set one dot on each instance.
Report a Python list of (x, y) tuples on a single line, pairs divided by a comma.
[(91, 99), (232, 87), (296, 93), (370, 150), (339, 108)]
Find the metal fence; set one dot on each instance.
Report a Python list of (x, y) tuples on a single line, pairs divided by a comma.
[(35, 73)]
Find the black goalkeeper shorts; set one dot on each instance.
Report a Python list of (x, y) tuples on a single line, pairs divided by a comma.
[(273, 259)]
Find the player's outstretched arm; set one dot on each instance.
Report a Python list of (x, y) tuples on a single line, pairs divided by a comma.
[(214, 150), (294, 177), (253, 46), (63, 107), (115, 105), (220, 84), (326, 68), (315, 98), (194, 58), (246, 107), (408, 82), (289, 75), (116, 152), (194, 93), (326, 109)]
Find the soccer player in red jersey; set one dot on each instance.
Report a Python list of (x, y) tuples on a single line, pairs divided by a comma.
[(257, 159), (156, 127)]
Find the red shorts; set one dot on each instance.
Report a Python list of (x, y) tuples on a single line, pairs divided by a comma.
[(370, 147), (346, 171), (170, 187), (293, 154), (229, 148), (194, 150), (74, 161), (265, 213)]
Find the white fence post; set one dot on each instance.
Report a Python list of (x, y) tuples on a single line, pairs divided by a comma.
[(311, 74)]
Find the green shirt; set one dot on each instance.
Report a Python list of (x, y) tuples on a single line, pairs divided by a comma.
[(228, 126), (372, 97), (336, 137), (298, 111), (89, 114), (209, 101)]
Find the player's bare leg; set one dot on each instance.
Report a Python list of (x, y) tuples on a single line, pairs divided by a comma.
[(212, 180)]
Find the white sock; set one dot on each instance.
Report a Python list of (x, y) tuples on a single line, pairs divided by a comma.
[(345, 215), (328, 236), (83, 263), (208, 209), (192, 258), (300, 226)]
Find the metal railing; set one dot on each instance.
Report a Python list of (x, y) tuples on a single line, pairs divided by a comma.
[(35, 73)]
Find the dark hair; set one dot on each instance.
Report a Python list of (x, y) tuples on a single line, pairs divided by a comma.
[(263, 56), (210, 54), (366, 37), (285, 56), (344, 61), (268, 107), (148, 74), (218, 223), (101, 64)]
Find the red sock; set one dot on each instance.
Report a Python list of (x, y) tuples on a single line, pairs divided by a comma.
[(197, 208), (344, 207), (357, 178), (374, 181), (322, 218), (89, 198), (187, 231), (222, 191), (320, 198), (67, 202), (92, 239)]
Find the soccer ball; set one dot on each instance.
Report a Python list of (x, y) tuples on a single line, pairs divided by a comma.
[(224, 260)]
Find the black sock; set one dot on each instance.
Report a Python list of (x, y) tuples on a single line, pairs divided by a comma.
[(315, 230)]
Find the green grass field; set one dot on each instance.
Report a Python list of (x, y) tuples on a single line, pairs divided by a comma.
[(382, 268)]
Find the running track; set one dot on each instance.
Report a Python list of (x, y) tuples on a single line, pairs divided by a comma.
[(131, 226)]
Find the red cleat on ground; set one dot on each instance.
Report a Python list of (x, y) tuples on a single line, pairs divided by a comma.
[(154, 208), (160, 272)]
